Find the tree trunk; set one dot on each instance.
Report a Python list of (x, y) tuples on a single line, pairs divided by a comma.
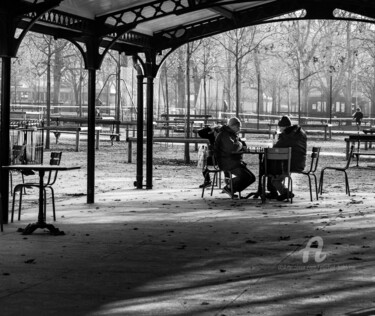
[(180, 81), (57, 69)]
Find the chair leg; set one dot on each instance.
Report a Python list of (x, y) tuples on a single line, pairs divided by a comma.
[(11, 183), (13, 201), (321, 182), (290, 189), (44, 203), (231, 185), (23, 181), (316, 186), (214, 181), (203, 191), (347, 190), (311, 198), (53, 203), (263, 196), (20, 205)]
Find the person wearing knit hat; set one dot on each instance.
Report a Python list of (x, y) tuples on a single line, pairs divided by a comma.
[(285, 122), (295, 137)]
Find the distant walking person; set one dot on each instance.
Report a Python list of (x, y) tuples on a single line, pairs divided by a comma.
[(357, 117)]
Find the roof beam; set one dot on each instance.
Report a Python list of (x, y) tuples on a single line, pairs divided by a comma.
[(316, 9), (250, 16), (223, 12)]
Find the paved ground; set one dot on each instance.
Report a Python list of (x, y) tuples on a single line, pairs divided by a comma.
[(170, 252)]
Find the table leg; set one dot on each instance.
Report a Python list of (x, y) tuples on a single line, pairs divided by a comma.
[(258, 193), (41, 223)]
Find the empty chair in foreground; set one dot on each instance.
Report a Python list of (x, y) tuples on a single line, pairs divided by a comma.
[(310, 172), (340, 169)]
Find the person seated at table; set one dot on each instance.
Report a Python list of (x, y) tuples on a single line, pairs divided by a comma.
[(209, 133), (295, 137), (227, 142)]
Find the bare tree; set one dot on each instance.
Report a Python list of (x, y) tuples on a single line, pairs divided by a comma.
[(239, 44)]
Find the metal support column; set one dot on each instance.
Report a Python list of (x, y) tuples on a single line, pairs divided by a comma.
[(139, 182), (91, 136), (5, 126), (150, 130)]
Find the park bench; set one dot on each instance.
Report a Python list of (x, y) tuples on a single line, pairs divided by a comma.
[(369, 131), (58, 130), (311, 129), (131, 140), (358, 138), (258, 131), (129, 125), (18, 115)]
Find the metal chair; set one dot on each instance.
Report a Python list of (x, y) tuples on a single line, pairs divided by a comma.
[(277, 163), (17, 158), (51, 179), (311, 171), (215, 170), (342, 169)]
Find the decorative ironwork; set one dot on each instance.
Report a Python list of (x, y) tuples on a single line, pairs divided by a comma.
[(153, 10), (58, 19), (116, 28), (269, 12), (77, 28)]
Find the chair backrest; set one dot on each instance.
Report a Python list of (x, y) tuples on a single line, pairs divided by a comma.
[(314, 159), (277, 161), (55, 160)]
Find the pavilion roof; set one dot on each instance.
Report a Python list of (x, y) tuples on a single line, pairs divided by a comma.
[(140, 24)]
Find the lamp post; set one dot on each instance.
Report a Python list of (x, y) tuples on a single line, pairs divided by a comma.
[(330, 97), (299, 96), (258, 116), (331, 70)]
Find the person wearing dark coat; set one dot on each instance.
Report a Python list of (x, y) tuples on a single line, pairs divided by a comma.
[(295, 137), (227, 142), (357, 117)]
